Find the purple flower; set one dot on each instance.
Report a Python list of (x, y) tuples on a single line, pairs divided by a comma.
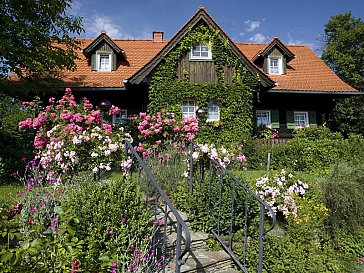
[(111, 231), (114, 264)]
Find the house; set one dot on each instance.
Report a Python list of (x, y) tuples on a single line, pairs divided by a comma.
[(281, 86)]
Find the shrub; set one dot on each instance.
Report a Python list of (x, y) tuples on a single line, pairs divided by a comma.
[(343, 195), (113, 217)]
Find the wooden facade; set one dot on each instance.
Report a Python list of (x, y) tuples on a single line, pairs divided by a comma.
[(201, 71)]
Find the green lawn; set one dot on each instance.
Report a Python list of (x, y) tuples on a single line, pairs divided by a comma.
[(8, 194)]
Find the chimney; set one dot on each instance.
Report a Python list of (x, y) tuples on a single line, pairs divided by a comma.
[(158, 36)]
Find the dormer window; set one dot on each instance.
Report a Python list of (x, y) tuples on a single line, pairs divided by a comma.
[(104, 62), (201, 52), (275, 65)]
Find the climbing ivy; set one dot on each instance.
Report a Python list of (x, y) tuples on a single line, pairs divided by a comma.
[(235, 100)]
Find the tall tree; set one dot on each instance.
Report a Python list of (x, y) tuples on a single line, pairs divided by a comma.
[(343, 51), (35, 38)]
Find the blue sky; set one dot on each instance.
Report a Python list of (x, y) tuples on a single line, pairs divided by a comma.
[(294, 21)]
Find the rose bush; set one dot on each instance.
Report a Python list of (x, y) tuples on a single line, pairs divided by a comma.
[(71, 137)]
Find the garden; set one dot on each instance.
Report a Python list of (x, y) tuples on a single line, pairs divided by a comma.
[(69, 203)]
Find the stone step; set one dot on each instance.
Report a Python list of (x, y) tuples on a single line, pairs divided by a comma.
[(198, 259)]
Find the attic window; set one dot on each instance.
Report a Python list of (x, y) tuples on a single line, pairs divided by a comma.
[(104, 62), (201, 52), (275, 65)]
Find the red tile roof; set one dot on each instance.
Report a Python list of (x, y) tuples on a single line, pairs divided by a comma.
[(138, 52), (306, 72)]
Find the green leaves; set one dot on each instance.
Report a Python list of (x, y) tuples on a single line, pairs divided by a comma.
[(35, 38)]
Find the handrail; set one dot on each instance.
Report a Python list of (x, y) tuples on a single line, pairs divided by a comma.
[(263, 206), (129, 149)]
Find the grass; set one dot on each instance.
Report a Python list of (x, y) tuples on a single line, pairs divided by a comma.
[(8, 194)]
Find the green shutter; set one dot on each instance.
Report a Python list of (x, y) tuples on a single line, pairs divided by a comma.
[(290, 119), (114, 61), (312, 118), (254, 118), (275, 119), (93, 62)]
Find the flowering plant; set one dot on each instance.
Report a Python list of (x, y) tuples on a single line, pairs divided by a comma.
[(163, 132), (71, 137), (281, 192)]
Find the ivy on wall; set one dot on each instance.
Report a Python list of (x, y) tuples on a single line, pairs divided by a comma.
[(235, 100)]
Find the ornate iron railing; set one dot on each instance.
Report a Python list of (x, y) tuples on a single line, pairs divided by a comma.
[(163, 210), (222, 187)]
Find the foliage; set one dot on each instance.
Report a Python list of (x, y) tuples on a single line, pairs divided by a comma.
[(343, 52), (71, 137), (113, 217), (166, 91), (14, 144), (343, 195), (35, 39), (344, 48), (313, 149)]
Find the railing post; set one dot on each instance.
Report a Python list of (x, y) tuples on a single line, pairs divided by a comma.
[(178, 248), (261, 238)]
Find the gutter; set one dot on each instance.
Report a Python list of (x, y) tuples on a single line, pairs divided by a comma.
[(316, 92)]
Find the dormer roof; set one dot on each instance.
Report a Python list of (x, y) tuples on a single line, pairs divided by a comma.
[(275, 43), (103, 37)]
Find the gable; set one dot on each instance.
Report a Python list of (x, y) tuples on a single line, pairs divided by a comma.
[(201, 17)]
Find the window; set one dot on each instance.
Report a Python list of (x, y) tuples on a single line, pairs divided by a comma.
[(188, 108), (301, 119), (275, 65), (201, 52), (263, 118), (104, 62), (120, 118), (213, 111)]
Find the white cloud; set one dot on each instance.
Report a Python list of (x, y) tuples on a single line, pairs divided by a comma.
[(292, 41), (99, 23), (258, 38), (251, 25)]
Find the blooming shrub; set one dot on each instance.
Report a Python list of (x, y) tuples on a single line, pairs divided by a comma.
[(71, 137), (281, 192), (159, 133)]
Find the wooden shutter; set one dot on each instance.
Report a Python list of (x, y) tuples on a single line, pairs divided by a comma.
[(275, 119), (284, 65), (254, 118), (93, 62), (114, 60), (312, 118), (290, 120), (265, 65)]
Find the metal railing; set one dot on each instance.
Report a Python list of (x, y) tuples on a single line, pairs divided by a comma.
[(164, 211), (223, 187)]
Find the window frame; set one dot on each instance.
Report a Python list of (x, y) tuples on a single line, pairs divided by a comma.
[(121, 119), (306, 119), (98, 64), (197, 58), (213, 105), (279, 64), (261, 111), (189, 108)]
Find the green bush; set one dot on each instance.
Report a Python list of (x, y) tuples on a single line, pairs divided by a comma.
[(343, 195), (113, 217)]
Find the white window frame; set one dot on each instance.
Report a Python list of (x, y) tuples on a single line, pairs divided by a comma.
[(120, 117), (99, 55), (269, 116), (198, 49), (188, 110), (279, 63), (213, 111), (304, 114)]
